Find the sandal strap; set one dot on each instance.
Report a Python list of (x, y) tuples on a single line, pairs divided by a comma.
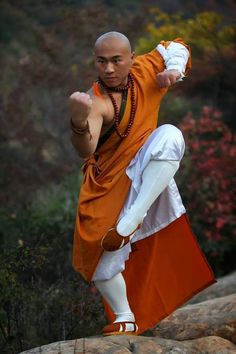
[(121, 327)]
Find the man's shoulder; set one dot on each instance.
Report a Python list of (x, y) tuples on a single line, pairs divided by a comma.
[(140, 58), (95, 92), (94, 95), (99, 100), (148, 63)]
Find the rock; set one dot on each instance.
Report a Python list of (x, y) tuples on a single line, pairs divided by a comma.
[(224, 286), (215, 317), (137, 345), (212, 345), (207, 327)]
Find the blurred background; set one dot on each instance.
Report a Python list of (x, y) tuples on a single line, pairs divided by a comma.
[(46, 54)]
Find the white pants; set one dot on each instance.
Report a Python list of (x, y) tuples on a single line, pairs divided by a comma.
[(165, 143)]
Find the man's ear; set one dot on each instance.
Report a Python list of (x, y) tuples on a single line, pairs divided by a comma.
[(132, 56)]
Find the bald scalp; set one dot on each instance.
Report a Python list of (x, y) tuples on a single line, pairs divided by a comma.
[(110, 36)]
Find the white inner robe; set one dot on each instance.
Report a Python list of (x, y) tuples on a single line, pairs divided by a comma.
[(165, 143)]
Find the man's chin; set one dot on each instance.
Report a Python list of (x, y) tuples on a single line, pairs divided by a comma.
[(112, 83)]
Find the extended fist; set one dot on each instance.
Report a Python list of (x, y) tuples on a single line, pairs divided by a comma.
[(168, 78), (80, 104)]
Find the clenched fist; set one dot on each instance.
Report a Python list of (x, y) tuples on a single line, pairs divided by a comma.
[(80, 104), (167, 78)]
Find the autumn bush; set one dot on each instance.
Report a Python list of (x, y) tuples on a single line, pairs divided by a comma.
[(208, 185)]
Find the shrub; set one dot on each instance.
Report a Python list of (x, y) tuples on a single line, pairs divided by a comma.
[(42, 299), (207, 184)]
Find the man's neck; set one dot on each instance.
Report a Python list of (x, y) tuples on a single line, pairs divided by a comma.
[(120, 88)]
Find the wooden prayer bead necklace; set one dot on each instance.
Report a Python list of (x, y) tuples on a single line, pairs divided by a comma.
[(130, 84)]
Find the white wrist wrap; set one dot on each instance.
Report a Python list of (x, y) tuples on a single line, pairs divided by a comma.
[(175, 56)]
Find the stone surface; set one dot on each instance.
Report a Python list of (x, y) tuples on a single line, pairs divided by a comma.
[(212, 317), (200, 327), (225, 286), (137, 345)]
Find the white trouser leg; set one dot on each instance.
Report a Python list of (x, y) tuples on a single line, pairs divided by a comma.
[(156, 177), (114, 292)]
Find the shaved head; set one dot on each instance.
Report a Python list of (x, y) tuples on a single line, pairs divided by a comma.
[(113, 58), (113, 37)]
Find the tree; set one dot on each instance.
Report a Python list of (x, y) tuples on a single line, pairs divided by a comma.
[(212, 40)]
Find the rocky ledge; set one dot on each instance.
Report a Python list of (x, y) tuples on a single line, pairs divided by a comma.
[(207, 324)]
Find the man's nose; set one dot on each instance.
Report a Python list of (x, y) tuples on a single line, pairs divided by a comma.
[(109, 68)]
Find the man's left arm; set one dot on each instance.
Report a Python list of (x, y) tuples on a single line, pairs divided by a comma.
[(177, 60)]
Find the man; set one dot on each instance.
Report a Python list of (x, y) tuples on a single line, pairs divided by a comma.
[(132, 237)]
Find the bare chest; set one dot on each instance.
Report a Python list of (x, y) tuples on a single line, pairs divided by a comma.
[(111, 109)]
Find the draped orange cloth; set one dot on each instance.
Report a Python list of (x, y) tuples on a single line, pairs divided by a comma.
[(166, 268), (163, 272)]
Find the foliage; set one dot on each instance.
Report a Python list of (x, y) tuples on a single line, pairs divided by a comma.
[(212, 39), (41, 298), (207, 183), (207, 32), (46, 54)]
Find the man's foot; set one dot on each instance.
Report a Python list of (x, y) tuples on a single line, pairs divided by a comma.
[(118, 328), (113, 241)]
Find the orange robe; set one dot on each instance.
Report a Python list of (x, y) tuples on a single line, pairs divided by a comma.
[(165, 269)]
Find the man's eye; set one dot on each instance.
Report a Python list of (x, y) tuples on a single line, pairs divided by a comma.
[(101, 61), (116, 61)]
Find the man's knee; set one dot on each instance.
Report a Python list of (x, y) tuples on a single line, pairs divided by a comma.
[(173, 139)]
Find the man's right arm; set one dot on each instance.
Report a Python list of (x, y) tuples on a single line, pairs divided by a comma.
[(86, 122)]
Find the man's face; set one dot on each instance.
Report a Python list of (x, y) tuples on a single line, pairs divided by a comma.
[(113, 60)]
